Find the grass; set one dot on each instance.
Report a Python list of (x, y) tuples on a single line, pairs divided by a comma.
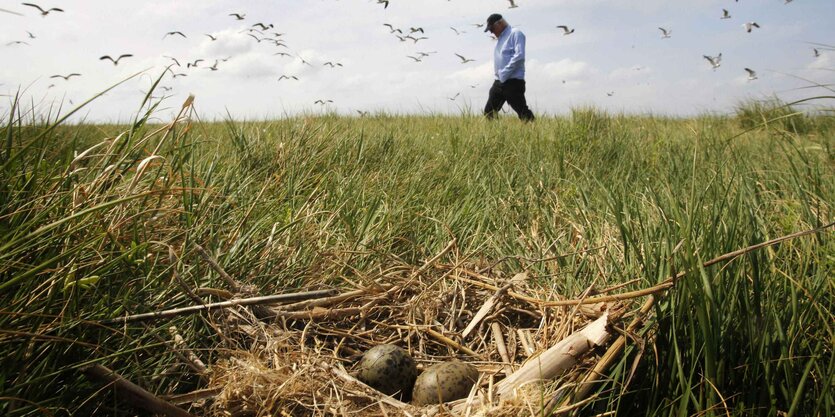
[(90, 214)]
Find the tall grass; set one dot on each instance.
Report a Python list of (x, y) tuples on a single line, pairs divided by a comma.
[(89, 214)]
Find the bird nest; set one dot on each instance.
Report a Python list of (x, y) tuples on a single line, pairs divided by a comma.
[(297, 359), (536, 350)]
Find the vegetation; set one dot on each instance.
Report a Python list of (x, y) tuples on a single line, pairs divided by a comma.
[(94, 220)]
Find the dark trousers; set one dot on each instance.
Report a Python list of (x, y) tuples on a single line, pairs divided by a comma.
[(511, 91)]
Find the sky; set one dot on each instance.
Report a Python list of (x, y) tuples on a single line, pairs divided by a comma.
[(615, 60)]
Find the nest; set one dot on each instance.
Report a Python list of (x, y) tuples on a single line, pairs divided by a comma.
[(297, 359)]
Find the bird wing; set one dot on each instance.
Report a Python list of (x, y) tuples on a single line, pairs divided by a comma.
[(125, 56), (106, 57), (33, 5)]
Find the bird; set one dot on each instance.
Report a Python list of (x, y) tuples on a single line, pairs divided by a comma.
[(17, 43), (385, 2), (457, 32), (238, 16), (417, 59), (288, 77), (418, 29), (423, 54), (464, 60), (175, 75), (66, 77), (752, 75), (665, 33), (166, 89), (610, 93), (478, 25), (454, 97), (43, 12), (363, 113), (414, 38), (173, 59), (750, 25), (725, 14), (392, 29), (512, 4), (714, 60), (565, 30), (332, 64), (214, 66), (255, 37), (213, 38), (194, 63), (176, 32), (115, 61), (323, 102), (817, 52), (282, 54), (31, 36), (264, 26)]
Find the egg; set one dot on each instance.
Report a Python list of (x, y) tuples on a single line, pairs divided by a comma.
[(445, 381), (388, 369)]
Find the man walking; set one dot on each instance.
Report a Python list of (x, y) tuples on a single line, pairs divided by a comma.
[(509, 66)]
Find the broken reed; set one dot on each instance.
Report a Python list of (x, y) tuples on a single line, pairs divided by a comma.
[(90, 213)]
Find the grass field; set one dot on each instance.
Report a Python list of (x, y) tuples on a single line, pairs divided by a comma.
[(90, 216)]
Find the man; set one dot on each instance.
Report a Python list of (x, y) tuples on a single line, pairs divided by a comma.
[(509, 66)]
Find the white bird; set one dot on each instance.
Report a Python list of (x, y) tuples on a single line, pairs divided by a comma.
[(750, 25), (665, 33), (238, 16), (115, 61), (464, 60), (454, 97), (565, 30), (66, 77), (43, 12), (288, 77), (725, 14), (323, 102), (715, 61), (512, 4), (752, 75)]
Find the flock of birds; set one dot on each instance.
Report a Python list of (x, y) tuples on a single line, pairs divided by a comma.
[(265, 33)]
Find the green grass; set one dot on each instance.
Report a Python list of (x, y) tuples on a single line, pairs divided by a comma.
[(307, 201)]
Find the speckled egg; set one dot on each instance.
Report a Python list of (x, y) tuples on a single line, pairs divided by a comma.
[(445, 381), (388, 369)]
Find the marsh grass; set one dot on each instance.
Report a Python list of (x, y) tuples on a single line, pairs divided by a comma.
[(88, 215)]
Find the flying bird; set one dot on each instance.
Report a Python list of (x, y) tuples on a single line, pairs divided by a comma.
[(457, 32), (43, 12), (725, 14), (610, 93), (173, 59), (66, 77), (464, 60), (214, 66), (332, 64), (414, 38), (392, 29), (418, 29), (17, 43), (115, 61), (665, 33), (238, 16), (512, 4), (323, 102), (750, 25), (385, 2), (213, 38), (817, 52), (282, 54), (565, 30), (363, 113), (194, 63), (414, 57), (263, 26), (752, 75), (31, 36), (176, 32), (454, 97), (288, 77), (715, 61)]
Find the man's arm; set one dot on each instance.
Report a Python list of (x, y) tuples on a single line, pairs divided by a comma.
[(518, 41)]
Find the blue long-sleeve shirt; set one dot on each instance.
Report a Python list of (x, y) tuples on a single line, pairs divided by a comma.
[(509, 55)]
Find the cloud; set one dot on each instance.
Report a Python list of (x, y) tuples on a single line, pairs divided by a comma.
[(564, 69)]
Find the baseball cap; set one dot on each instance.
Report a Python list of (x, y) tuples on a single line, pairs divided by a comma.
[(495, 17)]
